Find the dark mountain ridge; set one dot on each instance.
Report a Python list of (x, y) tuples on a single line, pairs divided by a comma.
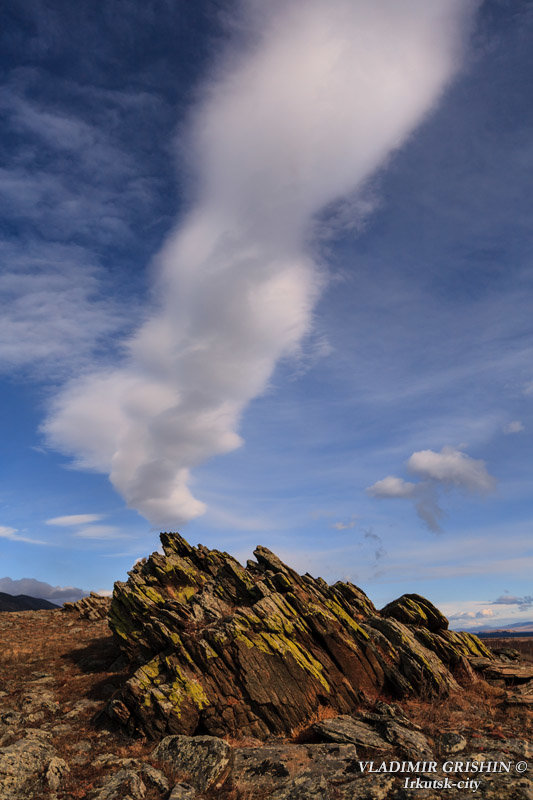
[(23, 602)]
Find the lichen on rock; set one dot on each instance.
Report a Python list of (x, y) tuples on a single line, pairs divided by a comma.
[(217, 648)]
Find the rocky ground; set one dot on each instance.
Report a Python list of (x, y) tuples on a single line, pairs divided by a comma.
[(59, 670)]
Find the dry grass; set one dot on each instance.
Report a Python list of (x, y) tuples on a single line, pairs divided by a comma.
[(302, 732), (523, 645), (479, 710)]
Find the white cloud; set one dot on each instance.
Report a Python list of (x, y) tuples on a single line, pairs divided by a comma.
[(452, 467), (484, 613), (391, 486), (14, 536), (74, 519), (513, 427), (286, 127), (448, 468)]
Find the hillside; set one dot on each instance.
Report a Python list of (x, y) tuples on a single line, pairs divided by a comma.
[(23, 602)]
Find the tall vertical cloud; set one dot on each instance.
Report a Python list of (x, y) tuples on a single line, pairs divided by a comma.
[(312, 99)]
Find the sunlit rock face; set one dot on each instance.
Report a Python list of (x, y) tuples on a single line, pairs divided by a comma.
[(218, 648)]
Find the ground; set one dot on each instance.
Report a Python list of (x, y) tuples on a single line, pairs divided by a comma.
[(58, 671)]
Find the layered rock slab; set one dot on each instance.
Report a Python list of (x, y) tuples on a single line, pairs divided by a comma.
[(223, 649)]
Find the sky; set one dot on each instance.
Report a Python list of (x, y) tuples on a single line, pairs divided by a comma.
[(266, 279)]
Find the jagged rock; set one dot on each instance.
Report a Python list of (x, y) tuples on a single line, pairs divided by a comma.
[(222, 649), (92, 607), (203, 761), (416, 610)]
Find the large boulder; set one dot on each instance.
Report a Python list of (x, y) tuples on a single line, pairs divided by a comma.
[(217, 648)]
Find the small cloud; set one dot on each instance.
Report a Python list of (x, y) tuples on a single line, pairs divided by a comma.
[(449, 468), (513, 427), (13, 535), (391, 486), (528, 388), (345, 526), (100, 532), (524, 603), (462, 615), (452, 467), (74, 519), (484, 613)]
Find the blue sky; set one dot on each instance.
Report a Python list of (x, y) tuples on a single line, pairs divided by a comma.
[(266, 278)]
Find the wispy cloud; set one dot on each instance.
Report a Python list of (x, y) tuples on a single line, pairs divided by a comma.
[(74, 519), (14, 536), (525, 602), (284, 129), (102, 532), (53, 317), (513, 427)]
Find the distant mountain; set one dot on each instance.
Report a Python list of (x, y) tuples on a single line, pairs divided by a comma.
[(34, 588), (23, 602), (515, 627)]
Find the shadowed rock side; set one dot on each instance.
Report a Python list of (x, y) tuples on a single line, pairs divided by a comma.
[(222, 649)]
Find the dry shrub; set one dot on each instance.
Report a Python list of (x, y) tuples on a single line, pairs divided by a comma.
[(302, 732)]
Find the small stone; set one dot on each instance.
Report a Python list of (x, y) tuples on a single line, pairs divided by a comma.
[(452, 742), (115, 786), (183, 791), (204, 760), (57, 768), (155, 777)]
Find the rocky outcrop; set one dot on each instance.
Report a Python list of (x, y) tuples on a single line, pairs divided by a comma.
[(222, 649), (93, 607)]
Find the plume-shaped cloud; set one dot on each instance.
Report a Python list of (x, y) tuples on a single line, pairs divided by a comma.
[(310, 102)]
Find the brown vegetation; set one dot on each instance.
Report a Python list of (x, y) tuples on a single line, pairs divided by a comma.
[(524, 645)]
